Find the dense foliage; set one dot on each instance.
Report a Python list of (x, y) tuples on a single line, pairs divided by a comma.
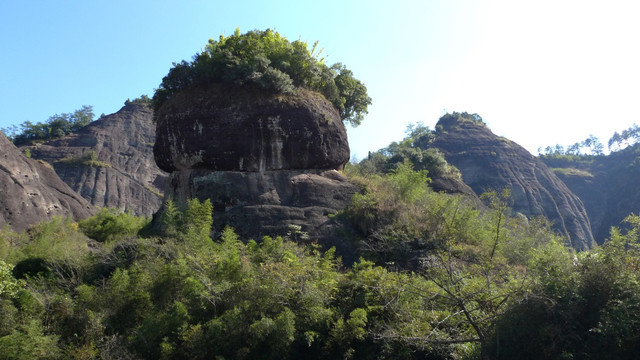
[(56, 126), (439, 278), (414, 148), (268, 60)]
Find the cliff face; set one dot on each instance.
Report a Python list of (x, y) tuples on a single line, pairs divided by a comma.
[(32, 192), (266, 162), (243, 129), (122, 173), (488, 162), (608, 186)]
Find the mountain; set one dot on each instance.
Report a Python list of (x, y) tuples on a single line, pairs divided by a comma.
[(32, 192), (110, 161), (608, 185), (489, 162), (266, 161)]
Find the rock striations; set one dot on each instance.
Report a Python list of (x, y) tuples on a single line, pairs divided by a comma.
[(608, 186), (488, 162), (110, 161), (265, 161), (226, 128), (32, 192)]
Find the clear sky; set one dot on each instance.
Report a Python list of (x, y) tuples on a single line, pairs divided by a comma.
[(539, 72)]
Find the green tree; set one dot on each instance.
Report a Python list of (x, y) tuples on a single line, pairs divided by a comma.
[(56, 126)]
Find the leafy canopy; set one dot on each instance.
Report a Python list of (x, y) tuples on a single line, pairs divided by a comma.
[(268, 60), (56, 126)]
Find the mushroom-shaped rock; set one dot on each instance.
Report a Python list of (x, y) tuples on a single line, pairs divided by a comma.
[(223, 127)]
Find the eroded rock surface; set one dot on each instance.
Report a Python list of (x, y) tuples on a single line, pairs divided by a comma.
[(488, 162), (608, 186), (242, 129), (124, 174), (31, 192), (267, 203)]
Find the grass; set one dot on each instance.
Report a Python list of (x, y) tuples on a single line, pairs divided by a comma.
[(88, 159), (571, 172)]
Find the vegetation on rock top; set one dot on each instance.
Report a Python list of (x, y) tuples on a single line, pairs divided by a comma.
[(56, 126), (268, 60)]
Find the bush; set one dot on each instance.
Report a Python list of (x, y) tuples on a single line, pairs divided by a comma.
[(268, 60), (110, 224)]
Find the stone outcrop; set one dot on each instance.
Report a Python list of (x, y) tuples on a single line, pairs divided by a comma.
[(122, 173), (488, 162), (32, 192), (243, 129), (265, 161)]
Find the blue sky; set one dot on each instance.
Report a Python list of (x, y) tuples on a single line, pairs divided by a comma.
[(539, 73)]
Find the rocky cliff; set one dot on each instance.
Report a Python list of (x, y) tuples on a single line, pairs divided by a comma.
[(32, 192), (608, 185), (488, 162), (222, 127), (266, 161), (110, 161)]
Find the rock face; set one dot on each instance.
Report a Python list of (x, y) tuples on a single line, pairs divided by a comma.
[(266, 203), (266, 162), (488, 162), (243, 129), (608, 186), (122, 173), (32, 192)]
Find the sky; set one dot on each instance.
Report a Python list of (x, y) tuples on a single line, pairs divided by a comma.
[(540, 73)]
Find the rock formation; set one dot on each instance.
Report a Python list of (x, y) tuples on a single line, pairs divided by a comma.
[(266, 161), (488, 162), (242, 129), (32, 192), (608, 186), (110, 161)]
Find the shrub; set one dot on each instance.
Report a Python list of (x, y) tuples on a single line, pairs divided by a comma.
[(110, 224)]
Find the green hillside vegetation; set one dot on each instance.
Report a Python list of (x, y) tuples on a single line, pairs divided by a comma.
[(56, 126), (269, 61), (438, 278), (414, 149), (88, 159)]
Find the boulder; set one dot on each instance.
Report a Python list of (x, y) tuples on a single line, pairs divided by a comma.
[(228, 128)]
